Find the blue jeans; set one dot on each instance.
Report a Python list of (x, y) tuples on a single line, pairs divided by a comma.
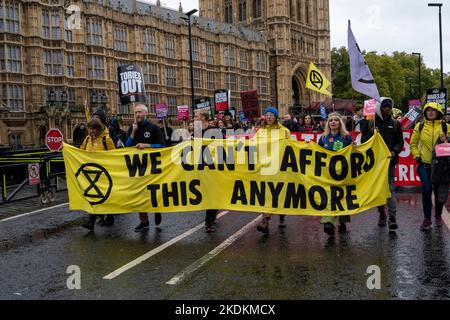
[(424, 172)]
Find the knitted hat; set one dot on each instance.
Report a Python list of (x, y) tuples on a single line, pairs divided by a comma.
[(272, 110)]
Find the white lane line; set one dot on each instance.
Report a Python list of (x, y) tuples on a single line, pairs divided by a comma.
[(203, 260), (157, 250), (33, 212)]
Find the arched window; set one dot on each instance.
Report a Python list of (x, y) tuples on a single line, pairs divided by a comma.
[(307, 12), (257, 9), (228, 11), (242, 10)]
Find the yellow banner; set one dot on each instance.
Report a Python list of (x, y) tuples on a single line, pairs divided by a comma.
[(316, 80), (257, 175)]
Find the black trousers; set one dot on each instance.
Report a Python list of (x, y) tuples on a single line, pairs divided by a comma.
[(210, 217)]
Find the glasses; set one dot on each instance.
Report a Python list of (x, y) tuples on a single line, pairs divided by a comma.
[(333, 119), (270, 115)]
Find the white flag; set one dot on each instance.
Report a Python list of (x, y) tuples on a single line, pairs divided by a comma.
[(362, 79)]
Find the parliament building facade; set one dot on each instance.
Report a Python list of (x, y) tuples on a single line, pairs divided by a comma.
[(56, 56)]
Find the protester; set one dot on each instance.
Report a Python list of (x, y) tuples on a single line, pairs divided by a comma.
[(228, 121), (166, 133), (212, 123), (118, 135), (104, 220), (191, 128), (334, 138), (221, 127), (270, 127), (290, 124), (202, 118), (143, 134), (98, 139), (358, 117), (425, 136), (320, 126), (447, 119), (440, 171), (100, 115), (392, 134), (308, 124)]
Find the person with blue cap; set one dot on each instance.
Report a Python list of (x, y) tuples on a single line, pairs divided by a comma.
[(269, 128)]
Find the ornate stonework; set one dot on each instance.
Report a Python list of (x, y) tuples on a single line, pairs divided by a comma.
[(40, 53), (297, 31)]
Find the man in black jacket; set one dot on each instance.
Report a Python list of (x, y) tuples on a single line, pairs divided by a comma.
[(144, 134), (392, 134)]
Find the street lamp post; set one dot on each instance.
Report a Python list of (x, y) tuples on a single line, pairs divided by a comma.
[(409, 79), (440, 39), (420, 62), (188, 19)]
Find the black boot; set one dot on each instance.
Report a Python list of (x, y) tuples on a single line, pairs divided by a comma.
[(108, 221), (90, 223), (158, 219)]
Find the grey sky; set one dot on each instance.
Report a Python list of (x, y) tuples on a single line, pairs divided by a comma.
[(382, 26)]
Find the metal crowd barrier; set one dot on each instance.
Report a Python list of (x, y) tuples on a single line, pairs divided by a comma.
[(14, 173)]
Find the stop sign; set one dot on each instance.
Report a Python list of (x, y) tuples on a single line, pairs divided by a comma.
[(54, 139)]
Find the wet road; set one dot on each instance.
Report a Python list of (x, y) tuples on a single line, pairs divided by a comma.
[(236, 262)]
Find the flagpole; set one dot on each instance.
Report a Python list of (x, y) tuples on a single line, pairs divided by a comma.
[(309, 108)]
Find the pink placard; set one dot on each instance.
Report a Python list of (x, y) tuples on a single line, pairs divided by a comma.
[(183, 113), (443, 150), (369, 107)]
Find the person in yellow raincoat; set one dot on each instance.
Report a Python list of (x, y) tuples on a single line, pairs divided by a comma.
[(269, 129), (97, 140), (424, 139)]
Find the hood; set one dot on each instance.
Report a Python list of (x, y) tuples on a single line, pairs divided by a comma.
[(378, 106), (436, 106), (275, 125)]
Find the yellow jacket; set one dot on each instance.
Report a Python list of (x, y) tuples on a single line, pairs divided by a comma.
[(265, 131), (96, 144), (423, 141)]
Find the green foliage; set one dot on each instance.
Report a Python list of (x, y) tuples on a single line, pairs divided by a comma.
[(396, 76)]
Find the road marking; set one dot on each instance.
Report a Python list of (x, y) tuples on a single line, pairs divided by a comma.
[(203, 260), (157, 250), (33, 212)]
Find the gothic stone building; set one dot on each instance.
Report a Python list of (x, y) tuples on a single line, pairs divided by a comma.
[(297, 33), (57, 55)]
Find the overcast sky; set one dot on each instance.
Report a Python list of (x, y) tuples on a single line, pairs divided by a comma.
[(382, 26)]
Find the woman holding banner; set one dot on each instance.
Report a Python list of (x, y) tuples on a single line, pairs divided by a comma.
[(269, 126), (97, 140), (335, 137), (424, 139)]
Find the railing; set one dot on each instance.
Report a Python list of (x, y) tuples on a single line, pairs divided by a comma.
[(14, 167)]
